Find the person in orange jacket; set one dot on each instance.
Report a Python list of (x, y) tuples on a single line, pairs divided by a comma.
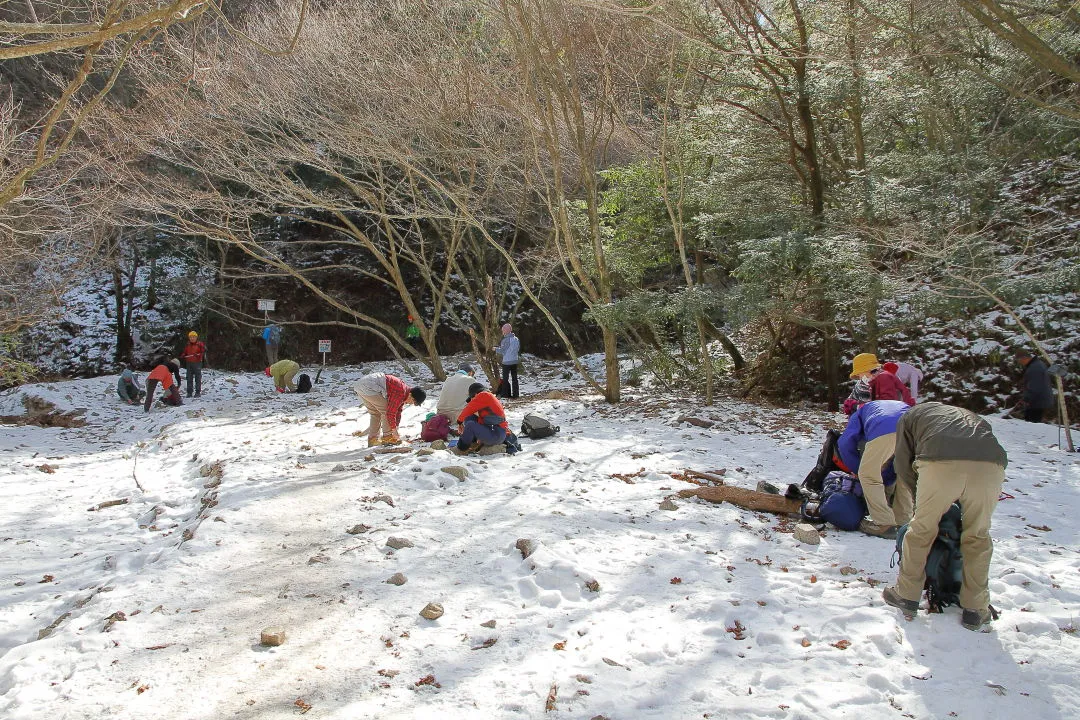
[(482, 421), (194, 357), (163, 374)]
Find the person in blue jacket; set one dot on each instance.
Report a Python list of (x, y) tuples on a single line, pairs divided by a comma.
[(508, 351), (866, 447)]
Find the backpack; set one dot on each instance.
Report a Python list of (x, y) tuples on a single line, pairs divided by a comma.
[(437, 427), (535, 427), (839, 503), (944, 562), (303, 383), (825, 465)]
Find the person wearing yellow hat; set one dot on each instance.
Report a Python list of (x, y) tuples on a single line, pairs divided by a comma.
[(863, 366), (194, 358)]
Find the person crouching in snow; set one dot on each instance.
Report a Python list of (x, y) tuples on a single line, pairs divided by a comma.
[(170, 391), (482, 422), (283, 372), (385, 396), (883, 385), (873, 427), (127, 387)]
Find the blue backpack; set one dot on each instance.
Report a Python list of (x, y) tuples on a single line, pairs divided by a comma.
[(944, 563), (839, 503)]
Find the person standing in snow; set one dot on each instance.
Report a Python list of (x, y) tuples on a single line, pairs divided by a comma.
[(508, 350), (194, 357), (163, 373), (946, 454), (455, 393), (866, 446), (1038, 395), (908, 374), (482, 421), (127, 387), (385, 396), (412, 333), (271, 335), (283, 372)]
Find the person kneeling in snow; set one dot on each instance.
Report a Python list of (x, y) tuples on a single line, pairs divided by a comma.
[(866, 446), (482, 422), (170, 391), (127, 387)]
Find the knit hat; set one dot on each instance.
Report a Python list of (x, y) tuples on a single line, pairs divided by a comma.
[(466, 368), (506, 329), (474, 389), (890, 367), (267, 372), (863, 363)]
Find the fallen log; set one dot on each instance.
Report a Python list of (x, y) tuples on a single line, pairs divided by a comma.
[(744, 498)]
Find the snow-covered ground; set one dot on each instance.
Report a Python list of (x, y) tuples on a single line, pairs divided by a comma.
[(238, 512)]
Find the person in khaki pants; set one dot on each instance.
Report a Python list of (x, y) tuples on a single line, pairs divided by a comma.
[(865, 446), (946, 454)]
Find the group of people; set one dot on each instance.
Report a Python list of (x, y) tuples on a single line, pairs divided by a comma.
[(166, 372), (479, 416), (914, 461)]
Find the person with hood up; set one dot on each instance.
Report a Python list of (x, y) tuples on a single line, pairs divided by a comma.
[(455, 393), (866, 447), (385, 397), (127, 387), (283, 372), (194, 357), (508, 350), (163, 373), (482, 421)]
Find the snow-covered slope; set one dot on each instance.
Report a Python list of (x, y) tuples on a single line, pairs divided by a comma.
[(238, 518)]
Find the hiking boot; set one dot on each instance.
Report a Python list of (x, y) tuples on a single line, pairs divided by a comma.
[(882, 531), (891, 597), (975, 619)]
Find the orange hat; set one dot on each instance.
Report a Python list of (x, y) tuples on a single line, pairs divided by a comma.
[(193, 334)]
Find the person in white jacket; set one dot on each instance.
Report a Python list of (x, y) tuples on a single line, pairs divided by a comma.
[(508, 351), (455, 393)]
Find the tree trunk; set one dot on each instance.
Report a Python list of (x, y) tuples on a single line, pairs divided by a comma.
[(613, 389)]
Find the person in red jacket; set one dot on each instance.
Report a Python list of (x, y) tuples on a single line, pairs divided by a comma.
[(482, 421), (163, 374), (883, 385), (194, 357)]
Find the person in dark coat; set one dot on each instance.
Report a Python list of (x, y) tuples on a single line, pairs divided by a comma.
[(1038, 396)]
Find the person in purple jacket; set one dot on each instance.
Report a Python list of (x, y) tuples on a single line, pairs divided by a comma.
[(866, 446)]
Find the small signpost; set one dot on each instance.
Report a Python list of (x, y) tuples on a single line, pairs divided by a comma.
[(324, 347), (267, 306)]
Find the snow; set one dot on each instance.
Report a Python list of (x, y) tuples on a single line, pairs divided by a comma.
[(702, 611)]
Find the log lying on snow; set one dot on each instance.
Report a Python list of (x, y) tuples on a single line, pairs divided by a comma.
[(749, 499)]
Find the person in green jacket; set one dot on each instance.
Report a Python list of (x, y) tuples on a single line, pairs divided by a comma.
[(950, 455), (412, 333), (283, 372)]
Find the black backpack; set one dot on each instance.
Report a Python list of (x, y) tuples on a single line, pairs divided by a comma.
[(535, 427), (303, 384), (944, 563), (816, 477)]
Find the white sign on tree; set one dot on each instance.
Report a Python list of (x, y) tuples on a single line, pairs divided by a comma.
[(266, 305)]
